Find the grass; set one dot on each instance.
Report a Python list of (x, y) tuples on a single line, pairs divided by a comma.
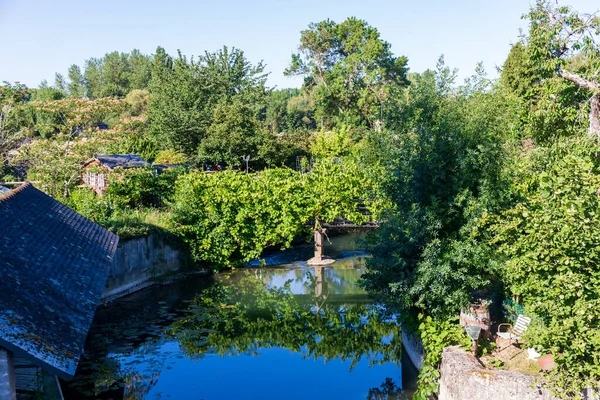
[(135, 223)]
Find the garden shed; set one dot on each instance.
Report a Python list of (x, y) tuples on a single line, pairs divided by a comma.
[(95, 169), (53, 268)]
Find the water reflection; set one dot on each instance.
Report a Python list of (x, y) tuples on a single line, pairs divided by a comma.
[(256, 333)]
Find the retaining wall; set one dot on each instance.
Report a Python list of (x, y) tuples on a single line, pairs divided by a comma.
[(414, 348), (462, 377), (7, 375), (138, 262)]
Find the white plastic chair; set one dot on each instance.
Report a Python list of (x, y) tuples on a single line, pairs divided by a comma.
[(514, 333)]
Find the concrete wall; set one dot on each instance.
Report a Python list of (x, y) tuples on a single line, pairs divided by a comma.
[(462, 377), (7, 375), (414, 348), (138, 262)]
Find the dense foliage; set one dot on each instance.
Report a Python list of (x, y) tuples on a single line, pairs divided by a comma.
[(230, 217), (444, 168), (481, 187), (348, 70), (549, 239)]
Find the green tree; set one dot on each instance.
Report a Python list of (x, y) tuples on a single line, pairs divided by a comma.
[(234, 133), (549, 242), (76, 85), (141, 70), (443, 169), (518, 76), (115, 72), (563, 43), (230, 75), (187, 95), (348, 70), (60, 83), (93, 79), (179, 115)]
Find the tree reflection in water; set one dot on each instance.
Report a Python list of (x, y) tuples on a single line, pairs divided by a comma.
[(241, 314), (249, 316)]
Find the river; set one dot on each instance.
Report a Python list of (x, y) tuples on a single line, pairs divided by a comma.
[(281, 331)]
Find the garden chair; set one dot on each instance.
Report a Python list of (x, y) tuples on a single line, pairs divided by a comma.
[(514, 333)]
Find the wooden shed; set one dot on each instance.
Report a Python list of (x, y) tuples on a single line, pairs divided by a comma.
[(95, 170)]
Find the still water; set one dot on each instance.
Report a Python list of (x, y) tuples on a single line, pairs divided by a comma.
[(284, 331)]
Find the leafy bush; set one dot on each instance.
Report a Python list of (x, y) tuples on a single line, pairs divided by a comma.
[(551, 241), (143, 187), (436, 334), (334, 143), (86, 203), (230, 217), (170, 156), (139, 100)]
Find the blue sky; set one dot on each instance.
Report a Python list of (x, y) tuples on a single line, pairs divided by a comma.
[(41, 37)]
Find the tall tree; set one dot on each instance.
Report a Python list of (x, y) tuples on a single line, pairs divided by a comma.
[(349, 70), (140, 74), (76, 85), (115, 72), (93, 79), (565, 43), (178, 115), (60, 83), (185, 95)]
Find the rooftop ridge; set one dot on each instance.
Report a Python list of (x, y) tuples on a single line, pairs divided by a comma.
[(15, 192)]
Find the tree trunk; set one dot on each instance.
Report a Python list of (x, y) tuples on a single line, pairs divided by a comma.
[(319, 244), (594, 129)]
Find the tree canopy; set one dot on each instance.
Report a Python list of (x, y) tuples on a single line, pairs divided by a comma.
[(348, 70)]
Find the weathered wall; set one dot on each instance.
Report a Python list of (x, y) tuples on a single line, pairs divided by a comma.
[(462, 377), (7, 375), (138, 262), (414, 348)]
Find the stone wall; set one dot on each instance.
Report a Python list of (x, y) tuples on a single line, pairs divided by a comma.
[(462, 377), (7, 375), (138, 262), (414, 348)]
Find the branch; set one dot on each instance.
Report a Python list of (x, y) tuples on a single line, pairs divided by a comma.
[(579, 81)]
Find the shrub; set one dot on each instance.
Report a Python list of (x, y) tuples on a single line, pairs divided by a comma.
[(86, 203)]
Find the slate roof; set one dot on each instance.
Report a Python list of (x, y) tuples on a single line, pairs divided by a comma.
[(53, 268), (119, 161)]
